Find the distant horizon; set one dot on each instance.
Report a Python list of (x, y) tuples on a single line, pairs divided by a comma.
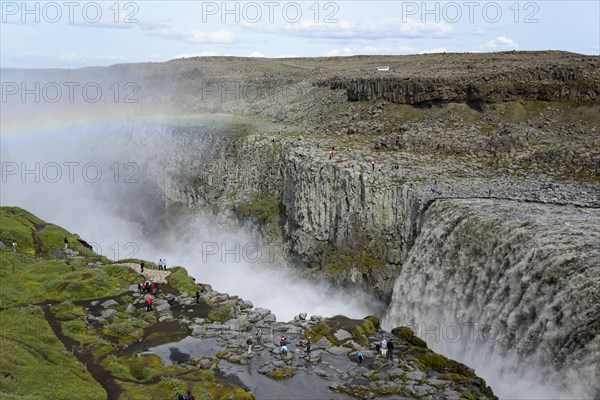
[(78, 34), (300, 58)]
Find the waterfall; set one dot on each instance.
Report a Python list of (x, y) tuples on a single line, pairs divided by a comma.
[(512, 289)]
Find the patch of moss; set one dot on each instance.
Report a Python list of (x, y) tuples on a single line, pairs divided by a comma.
[(282, 373), (181, 281), (408, 336), (264, 208), (221, 313)]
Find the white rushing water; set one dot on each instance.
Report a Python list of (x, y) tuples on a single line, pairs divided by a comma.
[(512, 290)]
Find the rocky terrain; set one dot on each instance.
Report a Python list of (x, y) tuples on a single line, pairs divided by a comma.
[(183, 343), (250, 140)]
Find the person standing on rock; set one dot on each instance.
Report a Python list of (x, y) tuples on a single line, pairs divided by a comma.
[(197, 297), (159, 264), (390, 352), (377, 349), (142, 266), (149, 303), (384, 348), (250, 344), (308, 344), (164, 264), (66, 242)]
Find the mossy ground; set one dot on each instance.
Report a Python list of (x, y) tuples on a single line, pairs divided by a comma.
[(35, 363)]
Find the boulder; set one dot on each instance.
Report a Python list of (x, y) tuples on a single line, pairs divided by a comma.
[(109, 303), (108, 313), (342, 335)]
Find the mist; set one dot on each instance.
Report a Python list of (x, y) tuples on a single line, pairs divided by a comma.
[(97, 185)]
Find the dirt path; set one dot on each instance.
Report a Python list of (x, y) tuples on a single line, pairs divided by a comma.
[(98, 372), (153, 275)]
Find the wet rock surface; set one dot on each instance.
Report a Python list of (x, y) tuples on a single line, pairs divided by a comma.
[(331, 370)]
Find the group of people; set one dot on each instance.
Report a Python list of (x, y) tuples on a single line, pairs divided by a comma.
[(148, 287), (384, 348), (162, 264)]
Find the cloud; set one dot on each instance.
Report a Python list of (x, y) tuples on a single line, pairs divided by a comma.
[(380, 50), (256, 54), (501, 43), (202, 54), (367, 29), (193, 36)]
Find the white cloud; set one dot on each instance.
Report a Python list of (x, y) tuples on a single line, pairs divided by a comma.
[(193, 36), (501, 43), (256, 54), (381, 50), (365, 29), (202, 54)]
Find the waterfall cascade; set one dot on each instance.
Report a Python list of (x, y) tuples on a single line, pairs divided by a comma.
[(510, 288)]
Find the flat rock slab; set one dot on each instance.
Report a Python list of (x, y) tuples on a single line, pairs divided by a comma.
[(342, 335)]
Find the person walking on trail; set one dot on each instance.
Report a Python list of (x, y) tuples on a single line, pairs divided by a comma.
[(149, 303), (142, 266), (390, 352), (308, 344), (250, 344), (360, 358), (197, 297), (384, 348)]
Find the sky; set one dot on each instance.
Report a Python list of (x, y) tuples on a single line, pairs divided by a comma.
[(74, 34)]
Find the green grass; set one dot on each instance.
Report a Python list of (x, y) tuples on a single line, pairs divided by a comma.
[(221, 313), (35, 236), (35, 364), (180, 280), (26, 279)]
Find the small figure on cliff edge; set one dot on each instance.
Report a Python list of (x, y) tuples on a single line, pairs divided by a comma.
[(159, 264), (197, 297), (142, 266), (66, 241), (308, 345)]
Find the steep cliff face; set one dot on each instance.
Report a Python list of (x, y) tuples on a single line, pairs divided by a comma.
[(355, 223), (571, 86), (495, 280)]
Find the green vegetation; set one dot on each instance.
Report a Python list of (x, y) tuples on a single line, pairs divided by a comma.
[(338, 262), (263, 208), (359, 328), (221, 313), (37, 237), (408, 335), (35, 364), (181, 281), (282, 373)]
